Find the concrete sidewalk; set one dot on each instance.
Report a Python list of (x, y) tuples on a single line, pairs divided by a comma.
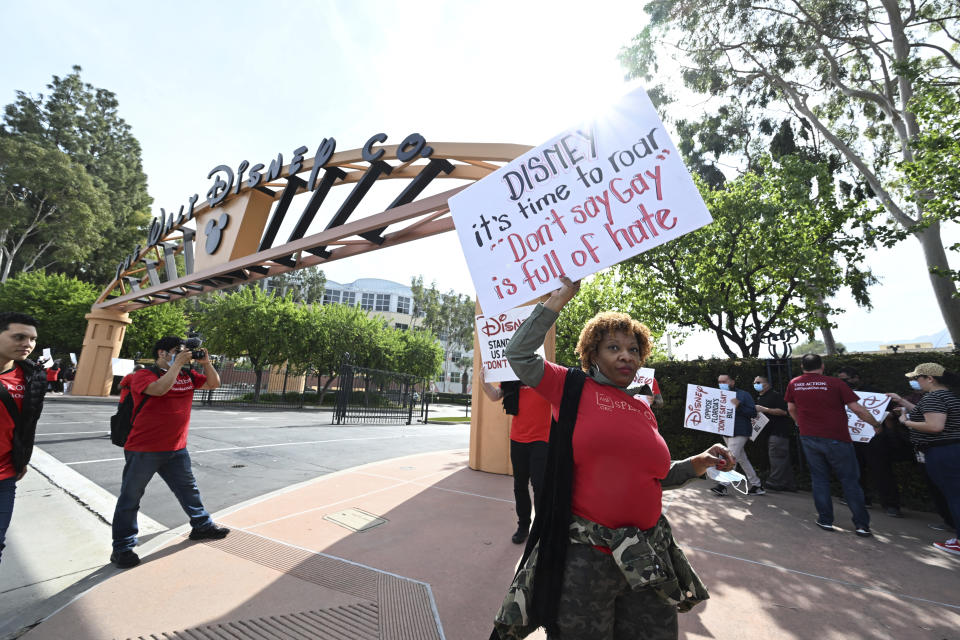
[(432, 559)]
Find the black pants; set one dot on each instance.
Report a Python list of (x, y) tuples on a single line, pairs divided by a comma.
[(529, 461), (876, 467)]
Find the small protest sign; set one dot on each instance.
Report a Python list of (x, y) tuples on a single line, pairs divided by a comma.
[(121, 366), (592, 196), (876, 404), (757, 425), (493, 334), (709, 409), (73, 357), (644, 377), (47, 357)]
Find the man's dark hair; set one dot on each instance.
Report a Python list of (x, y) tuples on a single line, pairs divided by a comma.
[(764, 378), (166, 344), (15, 317), (850, 371), (811, 362)]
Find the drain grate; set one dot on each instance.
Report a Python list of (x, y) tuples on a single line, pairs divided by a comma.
[(349, 622)]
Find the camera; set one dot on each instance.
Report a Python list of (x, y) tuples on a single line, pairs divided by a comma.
[(193, 344)]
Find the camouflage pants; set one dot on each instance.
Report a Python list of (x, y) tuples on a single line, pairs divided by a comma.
[(596, 603)]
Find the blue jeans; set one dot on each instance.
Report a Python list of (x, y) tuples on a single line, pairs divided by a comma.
[(8, 489), (824, 454), (174, 468), (943, 467)]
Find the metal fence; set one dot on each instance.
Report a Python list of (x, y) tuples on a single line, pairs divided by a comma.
[(386, 397), (239, 388)]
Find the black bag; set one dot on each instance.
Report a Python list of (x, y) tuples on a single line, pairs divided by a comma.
[(122, 421)]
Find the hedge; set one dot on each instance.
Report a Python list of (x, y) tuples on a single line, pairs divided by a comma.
[(881, 372)]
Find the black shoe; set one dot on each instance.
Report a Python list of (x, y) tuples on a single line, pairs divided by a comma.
[(825, 527), (520, 534), (894, 512), (719, 490), (212, 532), (124, 559), (756, 491), (864, 532)]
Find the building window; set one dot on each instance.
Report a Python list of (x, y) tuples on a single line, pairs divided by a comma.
[(401, 326), (383, 302), (366, 302), (454, 376), (331, 296), (440, 377), (454, 356), (403, 304), (349, 298)]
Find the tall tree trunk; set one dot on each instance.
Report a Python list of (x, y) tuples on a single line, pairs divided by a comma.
[(944, 288)]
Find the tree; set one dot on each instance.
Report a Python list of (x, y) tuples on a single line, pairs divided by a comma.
[(816, 346), (767, 262), (51, 211), (149, 324), (849, 69), (264, 328), (82, 121), (451, 316), (306, 285), (420, 354), (59, 303)]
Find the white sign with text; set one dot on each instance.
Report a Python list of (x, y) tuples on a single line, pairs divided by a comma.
[(710, 409), (644, 377), (875, 403), (758, 423), (590, 197), (493, 334)]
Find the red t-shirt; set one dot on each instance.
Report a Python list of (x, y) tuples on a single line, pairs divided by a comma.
[(532, 422), (162, 423), (124, 387), (16, 383), (820, 402), (52, 375), (619, 457)]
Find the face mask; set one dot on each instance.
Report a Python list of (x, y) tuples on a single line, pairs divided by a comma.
[(732, 478), (758, 387), (724, 386), (915, 385)]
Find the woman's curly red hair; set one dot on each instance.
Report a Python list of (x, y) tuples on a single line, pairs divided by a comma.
[(605, 323)]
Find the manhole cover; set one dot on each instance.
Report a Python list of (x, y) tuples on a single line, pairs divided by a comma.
[(355, 519)]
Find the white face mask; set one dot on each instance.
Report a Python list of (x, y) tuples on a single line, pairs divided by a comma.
[(732, 478), (724, 386), (915, 385)]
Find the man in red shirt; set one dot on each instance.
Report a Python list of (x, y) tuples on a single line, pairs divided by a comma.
[(818, 403), (22, 388), (529, 440), (162, 398)]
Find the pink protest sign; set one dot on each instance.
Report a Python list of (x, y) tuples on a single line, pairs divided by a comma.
[(590, 197)]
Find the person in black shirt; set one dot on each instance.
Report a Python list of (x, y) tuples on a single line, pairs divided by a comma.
[(779, 431)]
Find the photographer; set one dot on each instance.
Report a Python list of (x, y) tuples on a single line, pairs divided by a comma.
[(162, 399)]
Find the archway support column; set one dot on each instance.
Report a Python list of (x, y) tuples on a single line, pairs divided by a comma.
[(101, 343)]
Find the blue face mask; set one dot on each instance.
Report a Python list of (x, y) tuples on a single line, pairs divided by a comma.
[(915, 385), (758, 387), (724, 386)]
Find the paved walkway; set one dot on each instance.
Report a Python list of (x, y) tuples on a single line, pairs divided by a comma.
[(435, 559)]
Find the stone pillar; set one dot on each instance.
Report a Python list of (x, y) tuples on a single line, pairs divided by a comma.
[(489, 425), (105, 331)]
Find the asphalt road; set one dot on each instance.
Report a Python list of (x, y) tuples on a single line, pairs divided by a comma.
[(237, 455)]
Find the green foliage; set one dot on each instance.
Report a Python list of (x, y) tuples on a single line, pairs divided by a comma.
[(767, 262), (82, 121), (817, 346), (267, 330), (59, 303), (846, 69), (149, 324), (420, 354), (306, 285), (51, 211), (448, 315)]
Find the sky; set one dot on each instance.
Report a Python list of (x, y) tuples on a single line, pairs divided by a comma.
[(203, 84)]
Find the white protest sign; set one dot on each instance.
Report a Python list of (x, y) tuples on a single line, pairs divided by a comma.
[(758, 424), (644, 377), (73, 358), (48, 356), (592, 196), (709, 409), (121, 366), (493, 334), (875, 403)]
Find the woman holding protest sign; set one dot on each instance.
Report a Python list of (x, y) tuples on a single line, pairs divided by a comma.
[(601, 561)]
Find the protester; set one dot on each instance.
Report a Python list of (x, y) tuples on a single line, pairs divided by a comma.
[(158, 444), (742, 430), (22, 388), (53, 378), (68, 377), (817, 404), (124, 386), (934, 423), (779, 431), (529, 434), (582, 574)]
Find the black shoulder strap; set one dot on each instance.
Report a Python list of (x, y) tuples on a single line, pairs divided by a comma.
[(154, 369)]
